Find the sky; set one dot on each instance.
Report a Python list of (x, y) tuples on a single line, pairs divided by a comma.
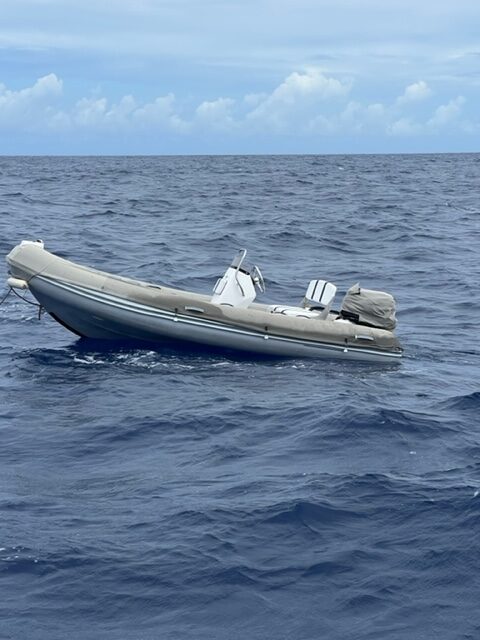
[(239, 76)]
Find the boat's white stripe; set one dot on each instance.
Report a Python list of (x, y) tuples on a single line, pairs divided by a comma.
[(128, 305)]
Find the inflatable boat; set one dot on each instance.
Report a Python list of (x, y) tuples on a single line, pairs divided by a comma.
[(96, 304)]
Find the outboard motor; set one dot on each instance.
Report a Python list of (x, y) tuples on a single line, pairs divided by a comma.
[(237, 287), (369, 307)]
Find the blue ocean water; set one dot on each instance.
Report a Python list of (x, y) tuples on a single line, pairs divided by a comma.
[(165, 495)]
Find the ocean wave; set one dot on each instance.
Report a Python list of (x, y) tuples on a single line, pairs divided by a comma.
[(393, 421), (469, 402)]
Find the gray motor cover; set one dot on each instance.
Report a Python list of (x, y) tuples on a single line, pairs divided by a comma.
[(375, 308)]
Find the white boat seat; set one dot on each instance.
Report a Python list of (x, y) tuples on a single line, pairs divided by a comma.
[(237, 287), (297, 312), (319, 296)]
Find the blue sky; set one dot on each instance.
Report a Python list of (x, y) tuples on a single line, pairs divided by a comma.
[(239, 76)]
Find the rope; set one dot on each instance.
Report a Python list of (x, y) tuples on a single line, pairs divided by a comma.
[(6, 296), (35, 304)]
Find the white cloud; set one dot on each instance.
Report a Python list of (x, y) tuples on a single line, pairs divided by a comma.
[(27, 107), (216, 115), (415, 93), (359, 119), (304, 104), (254, 99), (94, 113), (126, 115), (45, 86), (311, 84), (296, 98), (446, 114), (90, 112), (404, 127), (160, 114), (353, 118), (322, 125)]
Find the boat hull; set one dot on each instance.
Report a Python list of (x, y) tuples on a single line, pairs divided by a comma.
[(96, 304), (93, 314)]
